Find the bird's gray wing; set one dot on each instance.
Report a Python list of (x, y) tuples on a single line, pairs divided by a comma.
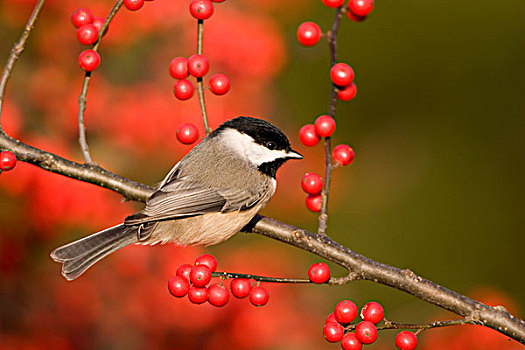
[(180, 198)]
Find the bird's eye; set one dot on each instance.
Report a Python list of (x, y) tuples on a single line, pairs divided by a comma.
[(271, 145)]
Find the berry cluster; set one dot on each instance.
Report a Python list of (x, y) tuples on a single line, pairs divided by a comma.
[(338, 327), (7, 161), (193, 280), (310, 134), (88, 28)]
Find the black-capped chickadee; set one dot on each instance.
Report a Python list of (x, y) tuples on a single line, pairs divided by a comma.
[(212, 193)]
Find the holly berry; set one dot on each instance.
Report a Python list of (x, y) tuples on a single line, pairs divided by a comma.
[(333, 3), (98, 22), (82, 16), (333, 332), (354, 17), (366, 332), (133, 5), (343, 154), (179, 67), (312, 183), (406, 340), (314, 202), (350, 342), (324, 125), (372, 312), (187, 134), (259, 296), (218, 295), (308, 33), (7, 161), (361, 8), (87, 34), (241, 287), (184, 271), (330, 318), (198, 295), (183, 89), (198, 65), (342, 74), (178, 286), (206, 259), (201, 9), (319, 273), (89, 60), (219, 84), (308, 136), (345, 311), (347, 93), (200, 275)]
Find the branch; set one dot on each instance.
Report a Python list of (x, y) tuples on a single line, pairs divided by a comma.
[(359, 266)]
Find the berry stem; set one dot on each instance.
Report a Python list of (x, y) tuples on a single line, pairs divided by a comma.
[(82, 98), (225, 275), (17, 50), (419, 326), (200, 85), (332, 45)]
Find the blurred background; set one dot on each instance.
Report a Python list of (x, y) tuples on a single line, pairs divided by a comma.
[(437, 185)]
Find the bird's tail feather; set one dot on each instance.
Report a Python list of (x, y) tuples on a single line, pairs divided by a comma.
[(78, 256)]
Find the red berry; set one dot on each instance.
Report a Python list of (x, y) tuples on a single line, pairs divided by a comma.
[(219, 84), (218, 295), (324, 126), (319, 273), (178, 286), (372, 312), (350, 342), (198, 65), (82, 16), (333, 3), (406, 340), (241, 287), (206, 259), (179, 67), (366, 332), (89, 60), (361, 8), (200, 275), (312, 183), (343, 154), (342, 74), (187, 134), (333, 332), (259, 296), (98, 22), (87, 34), (183, 89), (201, 9), (198, 295), (345, 311), (308, 136), (184, 271), (133, 5), (308, 33), (314, 202), (354, 17), (347, 93), (330, 318), (7, 161)]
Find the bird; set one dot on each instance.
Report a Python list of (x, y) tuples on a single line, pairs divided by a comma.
[(207, 197)]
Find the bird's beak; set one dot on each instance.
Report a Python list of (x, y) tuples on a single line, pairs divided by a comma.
[(293, 155)]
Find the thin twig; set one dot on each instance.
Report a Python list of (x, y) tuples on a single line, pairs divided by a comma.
[(419, 326), (225, 275), (82, 98), (332, 44), (17, 50), (200, 85)]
